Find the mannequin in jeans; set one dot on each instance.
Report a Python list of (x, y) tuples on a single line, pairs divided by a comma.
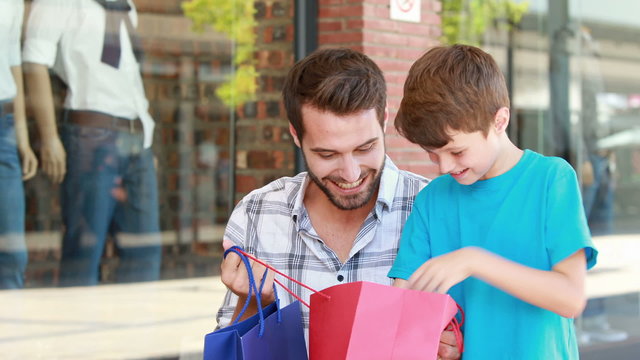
[(102, 155), (17, 160)]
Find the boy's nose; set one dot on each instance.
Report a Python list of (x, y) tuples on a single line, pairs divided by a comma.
[(446, 166)]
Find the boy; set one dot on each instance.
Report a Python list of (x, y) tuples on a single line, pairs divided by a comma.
[(503, 230)]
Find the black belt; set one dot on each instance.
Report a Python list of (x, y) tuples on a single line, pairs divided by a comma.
[(104, 121), (7, 107)]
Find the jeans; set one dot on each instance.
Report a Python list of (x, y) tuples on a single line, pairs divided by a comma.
[(110, 188), (13, 251), (598, 197), (598, 205)]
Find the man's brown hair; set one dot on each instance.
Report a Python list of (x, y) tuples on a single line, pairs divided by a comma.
[(456, 88), (340, 81)]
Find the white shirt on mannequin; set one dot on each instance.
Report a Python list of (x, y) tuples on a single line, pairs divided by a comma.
[(68, 35), (11, 14)]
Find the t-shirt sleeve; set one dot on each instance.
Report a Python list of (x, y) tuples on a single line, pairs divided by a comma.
[(415, 246), (14, 35), (566, 229), (45, 26)]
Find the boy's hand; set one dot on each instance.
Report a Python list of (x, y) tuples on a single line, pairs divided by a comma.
[(441, 273), (448, 350)]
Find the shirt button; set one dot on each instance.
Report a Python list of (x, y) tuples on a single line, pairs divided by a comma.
[(340, 278)]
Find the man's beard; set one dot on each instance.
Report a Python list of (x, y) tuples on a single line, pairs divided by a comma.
[(350, 202)]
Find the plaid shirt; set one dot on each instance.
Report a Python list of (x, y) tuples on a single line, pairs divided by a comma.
[(272, 224)]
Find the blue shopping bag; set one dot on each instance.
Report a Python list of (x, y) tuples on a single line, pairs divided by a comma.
[(273, 333)]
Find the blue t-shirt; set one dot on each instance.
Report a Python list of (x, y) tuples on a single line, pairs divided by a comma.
[(533, 215)]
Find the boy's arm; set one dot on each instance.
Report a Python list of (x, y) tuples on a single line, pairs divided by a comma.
[(401, 283), (560, 290)]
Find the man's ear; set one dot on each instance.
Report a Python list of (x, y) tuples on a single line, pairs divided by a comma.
[(294, 134), (501, 119), (386, 118)]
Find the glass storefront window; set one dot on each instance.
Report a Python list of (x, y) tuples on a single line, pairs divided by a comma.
[(571, 66), (117, 204), (132, 108), (179, 126)]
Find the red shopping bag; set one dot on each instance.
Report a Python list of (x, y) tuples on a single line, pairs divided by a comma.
[(364, 320)]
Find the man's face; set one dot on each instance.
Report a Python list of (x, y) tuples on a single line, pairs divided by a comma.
[(468, 157), (344, 155)]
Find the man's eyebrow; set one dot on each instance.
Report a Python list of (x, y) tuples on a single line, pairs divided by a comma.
[(320, 149)]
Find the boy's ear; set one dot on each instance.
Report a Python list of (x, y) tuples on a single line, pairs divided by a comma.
[(501, 119), (294, 134)]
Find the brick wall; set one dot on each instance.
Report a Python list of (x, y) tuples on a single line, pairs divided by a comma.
[(264, 148), (365, 25)]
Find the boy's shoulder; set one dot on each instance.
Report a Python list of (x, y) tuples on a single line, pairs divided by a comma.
[(438, 187), (549, 164)]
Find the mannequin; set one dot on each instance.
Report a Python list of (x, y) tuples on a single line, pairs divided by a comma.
[(17, 160), (102, 154)]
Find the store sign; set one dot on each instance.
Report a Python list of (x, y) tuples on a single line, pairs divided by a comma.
[(405, 10)]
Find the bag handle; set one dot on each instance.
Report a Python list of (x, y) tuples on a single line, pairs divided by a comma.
[(455, 325), (239, 250), (253, 290), (456, 328)]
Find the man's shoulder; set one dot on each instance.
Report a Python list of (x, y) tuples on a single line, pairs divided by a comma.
[(412, 184), (408, 180), (413, 178)]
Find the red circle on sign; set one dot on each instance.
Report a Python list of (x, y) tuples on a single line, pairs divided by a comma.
[(405, 5)]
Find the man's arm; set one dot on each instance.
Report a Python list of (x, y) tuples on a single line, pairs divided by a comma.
[(29, 160), (52, 153), (234, 273), (560, 290)]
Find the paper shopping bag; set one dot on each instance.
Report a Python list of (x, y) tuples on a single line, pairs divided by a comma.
[(364, 320), (273, 333), (282, 339)]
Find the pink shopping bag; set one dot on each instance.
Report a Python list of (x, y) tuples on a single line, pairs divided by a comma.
[(364, 320)]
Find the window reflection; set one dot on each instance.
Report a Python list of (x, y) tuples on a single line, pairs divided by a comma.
[(131, 110), (101, 156), (17, 160), (572, 67)]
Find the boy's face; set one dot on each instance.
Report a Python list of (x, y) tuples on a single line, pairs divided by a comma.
[(468, 157), (344, 155)]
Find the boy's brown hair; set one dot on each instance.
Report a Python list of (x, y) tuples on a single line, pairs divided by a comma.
[(455, 87), (341, 81)]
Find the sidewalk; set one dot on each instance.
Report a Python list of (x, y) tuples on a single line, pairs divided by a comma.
[(168, 319), (165, 319)]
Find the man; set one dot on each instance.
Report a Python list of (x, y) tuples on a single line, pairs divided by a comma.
[(17, 160), (102, 156), (341, 220)]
